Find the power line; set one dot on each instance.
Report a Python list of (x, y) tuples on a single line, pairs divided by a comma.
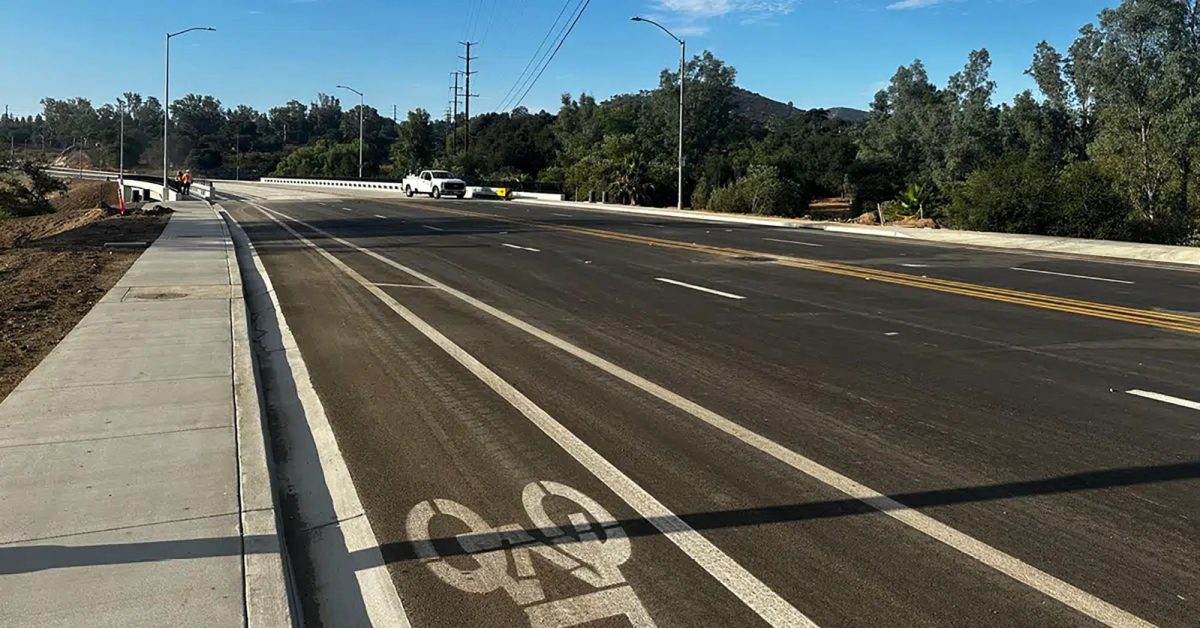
[(555, 54), (522, 76), (472, 10), (488, 27)]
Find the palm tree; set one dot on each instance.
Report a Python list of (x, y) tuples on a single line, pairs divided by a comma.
[(912, 200)]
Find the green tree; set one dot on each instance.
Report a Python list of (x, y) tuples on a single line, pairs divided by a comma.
[(416, 144)]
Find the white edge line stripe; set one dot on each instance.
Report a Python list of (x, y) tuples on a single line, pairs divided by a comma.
[(700, 288), (379, 594), (1047, 272), (793, 242), (756, 595), (644, 224), (402, 285), (432, 228), (1183, 403), (523, 248), (1011, 566)]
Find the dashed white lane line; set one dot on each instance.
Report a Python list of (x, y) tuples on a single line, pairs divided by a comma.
[(523, 248), (915, 265), (403, 285), (347, 209), (1015, 568), (700, 288), (1183, 403), (793, 242), (1047, 272), (760, 598), (563, 215), (381, 216), (645, 224), (432, 228)]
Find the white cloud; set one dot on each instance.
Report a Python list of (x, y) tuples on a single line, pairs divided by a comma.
[(912, 4), (687, 16), (720, 8)]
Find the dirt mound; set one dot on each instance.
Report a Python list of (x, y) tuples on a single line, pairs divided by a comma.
[(868, 218), (86, 195), (53, 269), (18, 231), (916, 223)]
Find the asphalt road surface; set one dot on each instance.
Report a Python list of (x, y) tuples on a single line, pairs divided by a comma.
[(554, 416)]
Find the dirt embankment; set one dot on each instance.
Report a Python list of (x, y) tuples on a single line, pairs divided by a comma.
[(53, 268)]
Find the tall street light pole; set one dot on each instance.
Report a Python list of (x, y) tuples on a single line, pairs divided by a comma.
[(361, 106), (166, 104), (682, 68)]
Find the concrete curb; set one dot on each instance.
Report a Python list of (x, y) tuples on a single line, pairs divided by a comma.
[(1125, 251), (266, 569)]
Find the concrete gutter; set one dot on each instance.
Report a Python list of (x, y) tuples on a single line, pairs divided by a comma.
[(267, 573)]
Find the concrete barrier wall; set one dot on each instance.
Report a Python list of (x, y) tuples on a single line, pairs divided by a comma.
[(201, 190)]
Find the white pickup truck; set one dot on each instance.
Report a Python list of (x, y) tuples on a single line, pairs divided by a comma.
[(436, 183)]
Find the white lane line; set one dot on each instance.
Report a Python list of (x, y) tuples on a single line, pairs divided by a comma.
[(403, 285), (1015, 568), (700, 288), (645, 224), (381, 216), (792, 242), (756, 595), (523, 248), (563, 215), (1183, 403), (1046, 272), (915, 265), (432, 228), (347, 209)]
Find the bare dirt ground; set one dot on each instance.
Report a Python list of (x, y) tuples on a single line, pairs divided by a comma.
[(53, 268)]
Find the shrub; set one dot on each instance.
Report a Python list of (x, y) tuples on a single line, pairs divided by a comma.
[(1015, 194), (761, 191), (24, 189), (1089, 204)]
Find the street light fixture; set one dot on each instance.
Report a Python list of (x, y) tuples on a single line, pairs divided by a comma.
[(361, 106), (167, 98), (682, 64)]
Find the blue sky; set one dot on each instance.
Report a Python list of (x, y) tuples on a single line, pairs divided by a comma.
[(815, 53)]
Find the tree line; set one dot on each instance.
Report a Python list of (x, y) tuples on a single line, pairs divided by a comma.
[(1106, 148)]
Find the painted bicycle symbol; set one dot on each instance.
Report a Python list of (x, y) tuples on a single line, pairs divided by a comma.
[(591, 550)]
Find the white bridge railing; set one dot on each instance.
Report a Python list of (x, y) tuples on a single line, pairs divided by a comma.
[(200, 190), (473, 191)]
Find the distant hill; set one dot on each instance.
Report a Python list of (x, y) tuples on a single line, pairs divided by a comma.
[(759, 108)]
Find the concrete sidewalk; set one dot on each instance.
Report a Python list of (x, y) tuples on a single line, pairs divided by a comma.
[(134, 480)]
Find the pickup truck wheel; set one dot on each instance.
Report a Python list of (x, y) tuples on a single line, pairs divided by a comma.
[(437, 193), (408, 191)]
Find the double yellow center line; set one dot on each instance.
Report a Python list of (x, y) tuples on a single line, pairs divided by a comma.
[(1162, 320)]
